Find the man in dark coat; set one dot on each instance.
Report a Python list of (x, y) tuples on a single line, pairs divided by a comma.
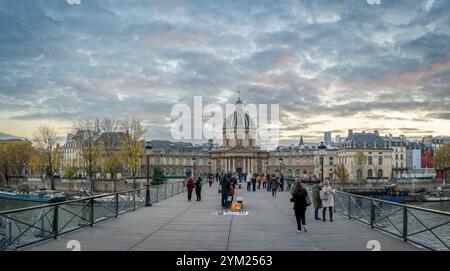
[(225, 189)]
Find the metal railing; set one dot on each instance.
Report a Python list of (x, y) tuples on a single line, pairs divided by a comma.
[(26, 226), (425, 227)]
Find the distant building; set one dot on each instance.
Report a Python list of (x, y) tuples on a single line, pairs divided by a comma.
[(327, 138)]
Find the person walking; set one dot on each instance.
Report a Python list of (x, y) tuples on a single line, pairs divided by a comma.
[(264, 181), (249, 181), (254, 177), (274, 185), (225, 189), (268, 182), (210, 179), (281, 183), (198, 188), (317, 202), (190, 187), (299, 198), (259, 179), (327, 197)]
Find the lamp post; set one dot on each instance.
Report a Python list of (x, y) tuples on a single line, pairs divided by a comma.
[(148, 152), (281, 163), (322, 148), (209, 168), (193, 166)]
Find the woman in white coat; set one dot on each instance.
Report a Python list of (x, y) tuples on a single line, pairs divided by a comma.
[(327, 197)]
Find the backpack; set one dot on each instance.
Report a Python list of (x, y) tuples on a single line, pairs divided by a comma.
[(324, 194)]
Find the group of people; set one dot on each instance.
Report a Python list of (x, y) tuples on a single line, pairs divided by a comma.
[(322, 198), (265, 181), (197, 185), (322, 193)]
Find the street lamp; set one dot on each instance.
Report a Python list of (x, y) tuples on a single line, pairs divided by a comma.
[(193, 165), (321, 148), (148, 152), (209, 168), (281, 163)]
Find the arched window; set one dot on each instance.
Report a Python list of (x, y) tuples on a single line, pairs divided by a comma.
[(380, 173), (359, 174), (369, 173)]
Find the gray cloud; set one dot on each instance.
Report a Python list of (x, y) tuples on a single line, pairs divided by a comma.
[(316, 59)]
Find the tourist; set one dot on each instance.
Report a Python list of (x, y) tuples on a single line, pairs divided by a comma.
[(281, 182), (317, 202), (210, 179), (254, 182), (268, 182), (249, 181), (274, 185), (225, 188), (264, 181), (327, 197), (299, 198), (259, 182), (190, 187), (198, 189)]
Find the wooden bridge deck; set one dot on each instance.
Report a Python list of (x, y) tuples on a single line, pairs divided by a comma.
[(176, 224)]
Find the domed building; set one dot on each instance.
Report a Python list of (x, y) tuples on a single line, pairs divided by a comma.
[(239, 152), (238, 128)]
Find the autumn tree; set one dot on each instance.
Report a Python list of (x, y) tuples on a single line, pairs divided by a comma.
[(132, 145), (15, 158), (341, 172), (110, 141), (48, 152), (88, 148), (442, 159)]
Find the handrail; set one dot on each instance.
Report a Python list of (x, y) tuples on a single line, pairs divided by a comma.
[(73, 201), (395, 203)]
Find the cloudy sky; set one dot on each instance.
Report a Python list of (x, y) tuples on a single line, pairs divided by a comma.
[(330, 65)]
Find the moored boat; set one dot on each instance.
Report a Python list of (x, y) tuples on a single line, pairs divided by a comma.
[(47, 196)]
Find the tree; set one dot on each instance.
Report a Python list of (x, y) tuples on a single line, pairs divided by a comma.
[(15, 158), (158, 175), (86, 144), (132, 146), (48, 151), (442, 159), (110, 140), (341, 172)]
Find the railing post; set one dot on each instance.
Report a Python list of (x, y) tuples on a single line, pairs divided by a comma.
[(134, 200), (55, 222), (117, 205), (91, 214), (157, 193), (349, 207), (405, 223), (148, 200), (372, 214)]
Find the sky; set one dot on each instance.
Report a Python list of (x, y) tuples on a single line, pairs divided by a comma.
[(330, 65)]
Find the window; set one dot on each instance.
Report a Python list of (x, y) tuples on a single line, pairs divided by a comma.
[(359, 174), (401, 156), (370, 160), (330, 162), (369, 173), (380, 173), (380, 160), (396, 156)]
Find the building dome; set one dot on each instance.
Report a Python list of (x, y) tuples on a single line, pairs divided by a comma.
[(239, 128), (239, 119)]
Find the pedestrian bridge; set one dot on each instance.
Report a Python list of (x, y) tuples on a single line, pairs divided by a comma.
[(176, 224)]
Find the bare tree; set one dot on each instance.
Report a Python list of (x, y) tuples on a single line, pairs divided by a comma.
[(86, 134), (132, 147), (46, 145)]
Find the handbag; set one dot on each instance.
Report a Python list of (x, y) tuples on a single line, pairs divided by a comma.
[(308, 201)]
